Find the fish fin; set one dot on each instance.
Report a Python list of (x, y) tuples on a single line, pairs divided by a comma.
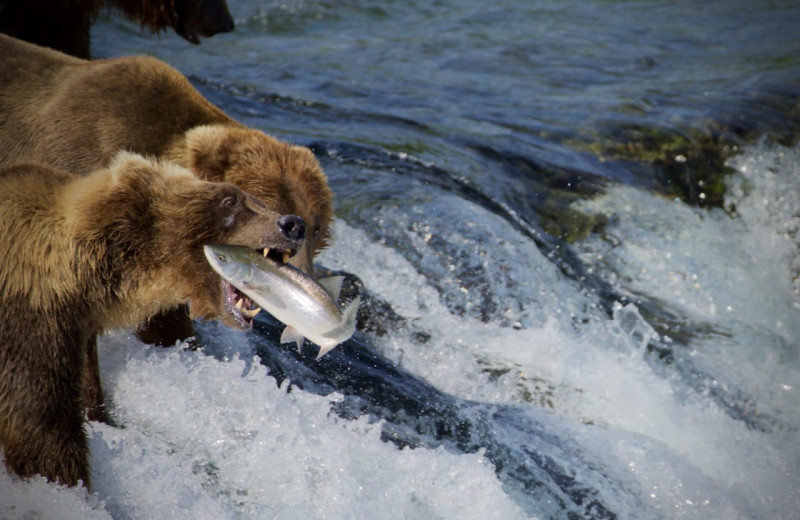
[(332, 284), (325, 350), (348, 324), (329, 346), (348, 321), (291, 334)]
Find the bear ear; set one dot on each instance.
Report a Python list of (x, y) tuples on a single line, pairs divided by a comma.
[(128, 163), (209, 150), (125, 166)]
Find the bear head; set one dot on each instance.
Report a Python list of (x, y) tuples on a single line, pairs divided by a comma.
[(286, 177), (153, 220), (191, 19)]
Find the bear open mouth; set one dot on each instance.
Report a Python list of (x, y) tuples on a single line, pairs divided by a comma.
[(239, 304), (280, 256)]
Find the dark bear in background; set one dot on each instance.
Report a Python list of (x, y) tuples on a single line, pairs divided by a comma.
[(65, 25)]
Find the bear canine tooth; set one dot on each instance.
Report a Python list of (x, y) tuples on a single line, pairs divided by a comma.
[(266, 252), (286, 257), (239, 303), (251, 313)]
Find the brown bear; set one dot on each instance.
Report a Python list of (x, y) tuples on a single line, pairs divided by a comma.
[(65, 25), (82, 254), (77, 114)]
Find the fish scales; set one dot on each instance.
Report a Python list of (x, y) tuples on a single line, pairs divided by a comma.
[(309, 309)]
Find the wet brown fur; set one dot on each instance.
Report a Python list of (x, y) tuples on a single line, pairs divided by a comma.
[(77, 114), (83, 254)]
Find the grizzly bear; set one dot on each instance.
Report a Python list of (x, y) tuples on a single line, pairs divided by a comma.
[(82, 254), (76, 114), (65, 25)]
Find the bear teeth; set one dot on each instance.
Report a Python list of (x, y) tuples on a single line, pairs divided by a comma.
[(283, 256), (247, 313), (251, 313)]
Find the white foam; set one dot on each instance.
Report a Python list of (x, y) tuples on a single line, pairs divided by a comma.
[(204, 438), (732, 273), (37, 498)]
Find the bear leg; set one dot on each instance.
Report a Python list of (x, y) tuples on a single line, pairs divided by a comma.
[(60, 456), (92, 390), (42, 427), (41, 371)]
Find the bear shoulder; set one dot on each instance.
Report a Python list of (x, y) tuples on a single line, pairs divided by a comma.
[(36, 265)]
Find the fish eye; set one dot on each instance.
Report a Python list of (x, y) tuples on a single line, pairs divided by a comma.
[(222, 258)]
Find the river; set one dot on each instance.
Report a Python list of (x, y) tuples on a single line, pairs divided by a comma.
[(576, 227)]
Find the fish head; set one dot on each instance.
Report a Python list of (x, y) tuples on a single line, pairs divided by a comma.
[(235, 267), (230, 262)]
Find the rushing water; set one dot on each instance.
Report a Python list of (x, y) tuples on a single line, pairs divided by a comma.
[(577, 227)]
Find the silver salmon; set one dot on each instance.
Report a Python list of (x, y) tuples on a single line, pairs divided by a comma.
[(308, 308)]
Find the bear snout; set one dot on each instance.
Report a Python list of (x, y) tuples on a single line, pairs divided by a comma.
[(293, 228)]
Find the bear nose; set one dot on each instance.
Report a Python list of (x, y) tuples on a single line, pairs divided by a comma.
[(292, 227)]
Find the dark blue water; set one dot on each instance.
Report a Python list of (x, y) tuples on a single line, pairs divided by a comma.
[(557, 213)]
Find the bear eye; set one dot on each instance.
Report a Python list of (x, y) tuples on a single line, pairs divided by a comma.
[(228, 202)]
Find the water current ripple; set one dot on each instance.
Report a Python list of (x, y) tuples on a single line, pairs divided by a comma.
[(528, 457), (542, 176)]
